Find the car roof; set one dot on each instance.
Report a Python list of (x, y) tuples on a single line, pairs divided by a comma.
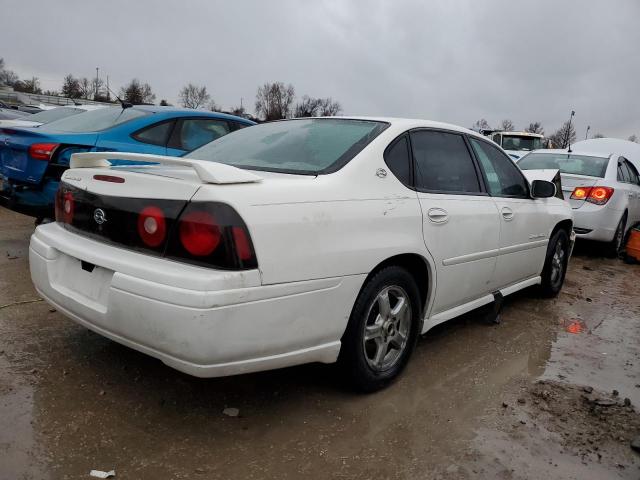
[(572, 152), (408, 123), (186, 111)]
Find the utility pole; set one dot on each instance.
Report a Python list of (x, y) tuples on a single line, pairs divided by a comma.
[(567, 137), (95, 94), (108, 91), (586, 135)]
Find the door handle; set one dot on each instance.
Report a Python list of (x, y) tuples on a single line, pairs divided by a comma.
[(507, 213), (437, 215)]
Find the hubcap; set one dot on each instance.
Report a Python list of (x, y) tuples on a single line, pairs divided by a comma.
[(387, 328), (557, 263)]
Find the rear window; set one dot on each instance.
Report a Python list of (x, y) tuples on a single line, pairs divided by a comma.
[(566, 163), (55, 114), (309, 146), (95, 120)]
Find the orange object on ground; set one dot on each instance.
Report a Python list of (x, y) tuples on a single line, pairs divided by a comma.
[(633, 244)]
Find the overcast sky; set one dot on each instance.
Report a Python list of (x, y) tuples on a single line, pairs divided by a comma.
[(454, 61)]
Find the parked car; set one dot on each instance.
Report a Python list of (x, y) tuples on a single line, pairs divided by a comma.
[(603, 190), (47, 116), (32, 159), (10, 114), (308, 240)]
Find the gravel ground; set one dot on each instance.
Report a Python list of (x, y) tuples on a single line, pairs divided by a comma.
[(530, 398)]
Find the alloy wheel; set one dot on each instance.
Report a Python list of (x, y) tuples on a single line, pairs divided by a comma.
[(387, 328)]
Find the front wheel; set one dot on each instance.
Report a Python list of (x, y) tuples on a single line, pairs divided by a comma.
[(382, 330), (555, 265)]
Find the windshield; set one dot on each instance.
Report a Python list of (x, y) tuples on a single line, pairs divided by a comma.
[(95, 120), (54, 114), (308, 146), (513, 142), (566, 163)]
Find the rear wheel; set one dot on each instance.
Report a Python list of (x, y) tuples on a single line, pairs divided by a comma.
[(555, 265), (614, 248), (382, 330)]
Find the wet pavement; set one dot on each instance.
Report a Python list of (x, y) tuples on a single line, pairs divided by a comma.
[(476, 401)]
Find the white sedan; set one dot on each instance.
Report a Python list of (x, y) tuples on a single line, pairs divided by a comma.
[(308, 240), (603, 190)]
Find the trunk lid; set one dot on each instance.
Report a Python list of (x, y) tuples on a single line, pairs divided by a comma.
[(15, 161)]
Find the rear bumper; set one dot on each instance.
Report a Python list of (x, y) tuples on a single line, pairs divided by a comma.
[(600, 222), (33, 200), (202, 322)]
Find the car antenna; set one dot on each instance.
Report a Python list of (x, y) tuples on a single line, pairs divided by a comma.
[(124, 104)]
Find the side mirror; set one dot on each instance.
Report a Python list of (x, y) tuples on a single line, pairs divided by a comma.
[(542, 189)]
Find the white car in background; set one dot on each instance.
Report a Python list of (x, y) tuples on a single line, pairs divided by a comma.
[(50, 115), (603, 190), (307, 240)]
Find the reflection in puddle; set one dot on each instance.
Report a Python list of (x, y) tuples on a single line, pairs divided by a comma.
[(574, 325)]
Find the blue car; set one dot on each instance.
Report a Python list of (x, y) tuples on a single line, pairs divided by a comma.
[(32, 160)]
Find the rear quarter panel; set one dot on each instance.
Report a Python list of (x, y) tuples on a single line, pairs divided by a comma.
[(345, 223)]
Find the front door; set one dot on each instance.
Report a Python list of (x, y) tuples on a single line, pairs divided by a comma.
[(460, 221), (524, 226)]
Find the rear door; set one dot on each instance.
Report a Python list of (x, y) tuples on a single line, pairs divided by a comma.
[(524, 222), (460, 221), (633, 191)]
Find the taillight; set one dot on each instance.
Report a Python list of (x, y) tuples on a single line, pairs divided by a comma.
[(152, 226), (199, 233), (212, 234), (65, 206), (595, 195), (42, 151)]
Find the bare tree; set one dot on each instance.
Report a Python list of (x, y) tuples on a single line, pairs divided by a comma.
[(535, 127), (239, 111), (633, 138), (28, 86), (598, 135), (71, 87), (85, 87), (329, 108), (507, 126), (97, 85), (193, 96), (137, 93), (7, 77), (564, 136), (274, 100), (164, 103), (307, 107), (481, 124)]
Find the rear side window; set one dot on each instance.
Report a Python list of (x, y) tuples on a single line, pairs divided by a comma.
[(504, 179), (443, 163), (623, 173), (398, 160), (633, 173), (155, 134), (192, 133)]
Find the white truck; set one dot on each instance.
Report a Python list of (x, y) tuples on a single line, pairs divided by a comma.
[(517, 144)]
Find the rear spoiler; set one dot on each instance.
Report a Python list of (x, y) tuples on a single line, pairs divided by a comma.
[(209, 172)]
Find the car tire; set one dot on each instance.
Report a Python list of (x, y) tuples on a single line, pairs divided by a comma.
[(615, 247), (555, 264), (388, 311)]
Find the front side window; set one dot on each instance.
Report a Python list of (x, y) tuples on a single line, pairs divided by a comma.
[(443, 163), (307, 146), (94, 120), (398, 160), (503, 177), (566, 163)]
